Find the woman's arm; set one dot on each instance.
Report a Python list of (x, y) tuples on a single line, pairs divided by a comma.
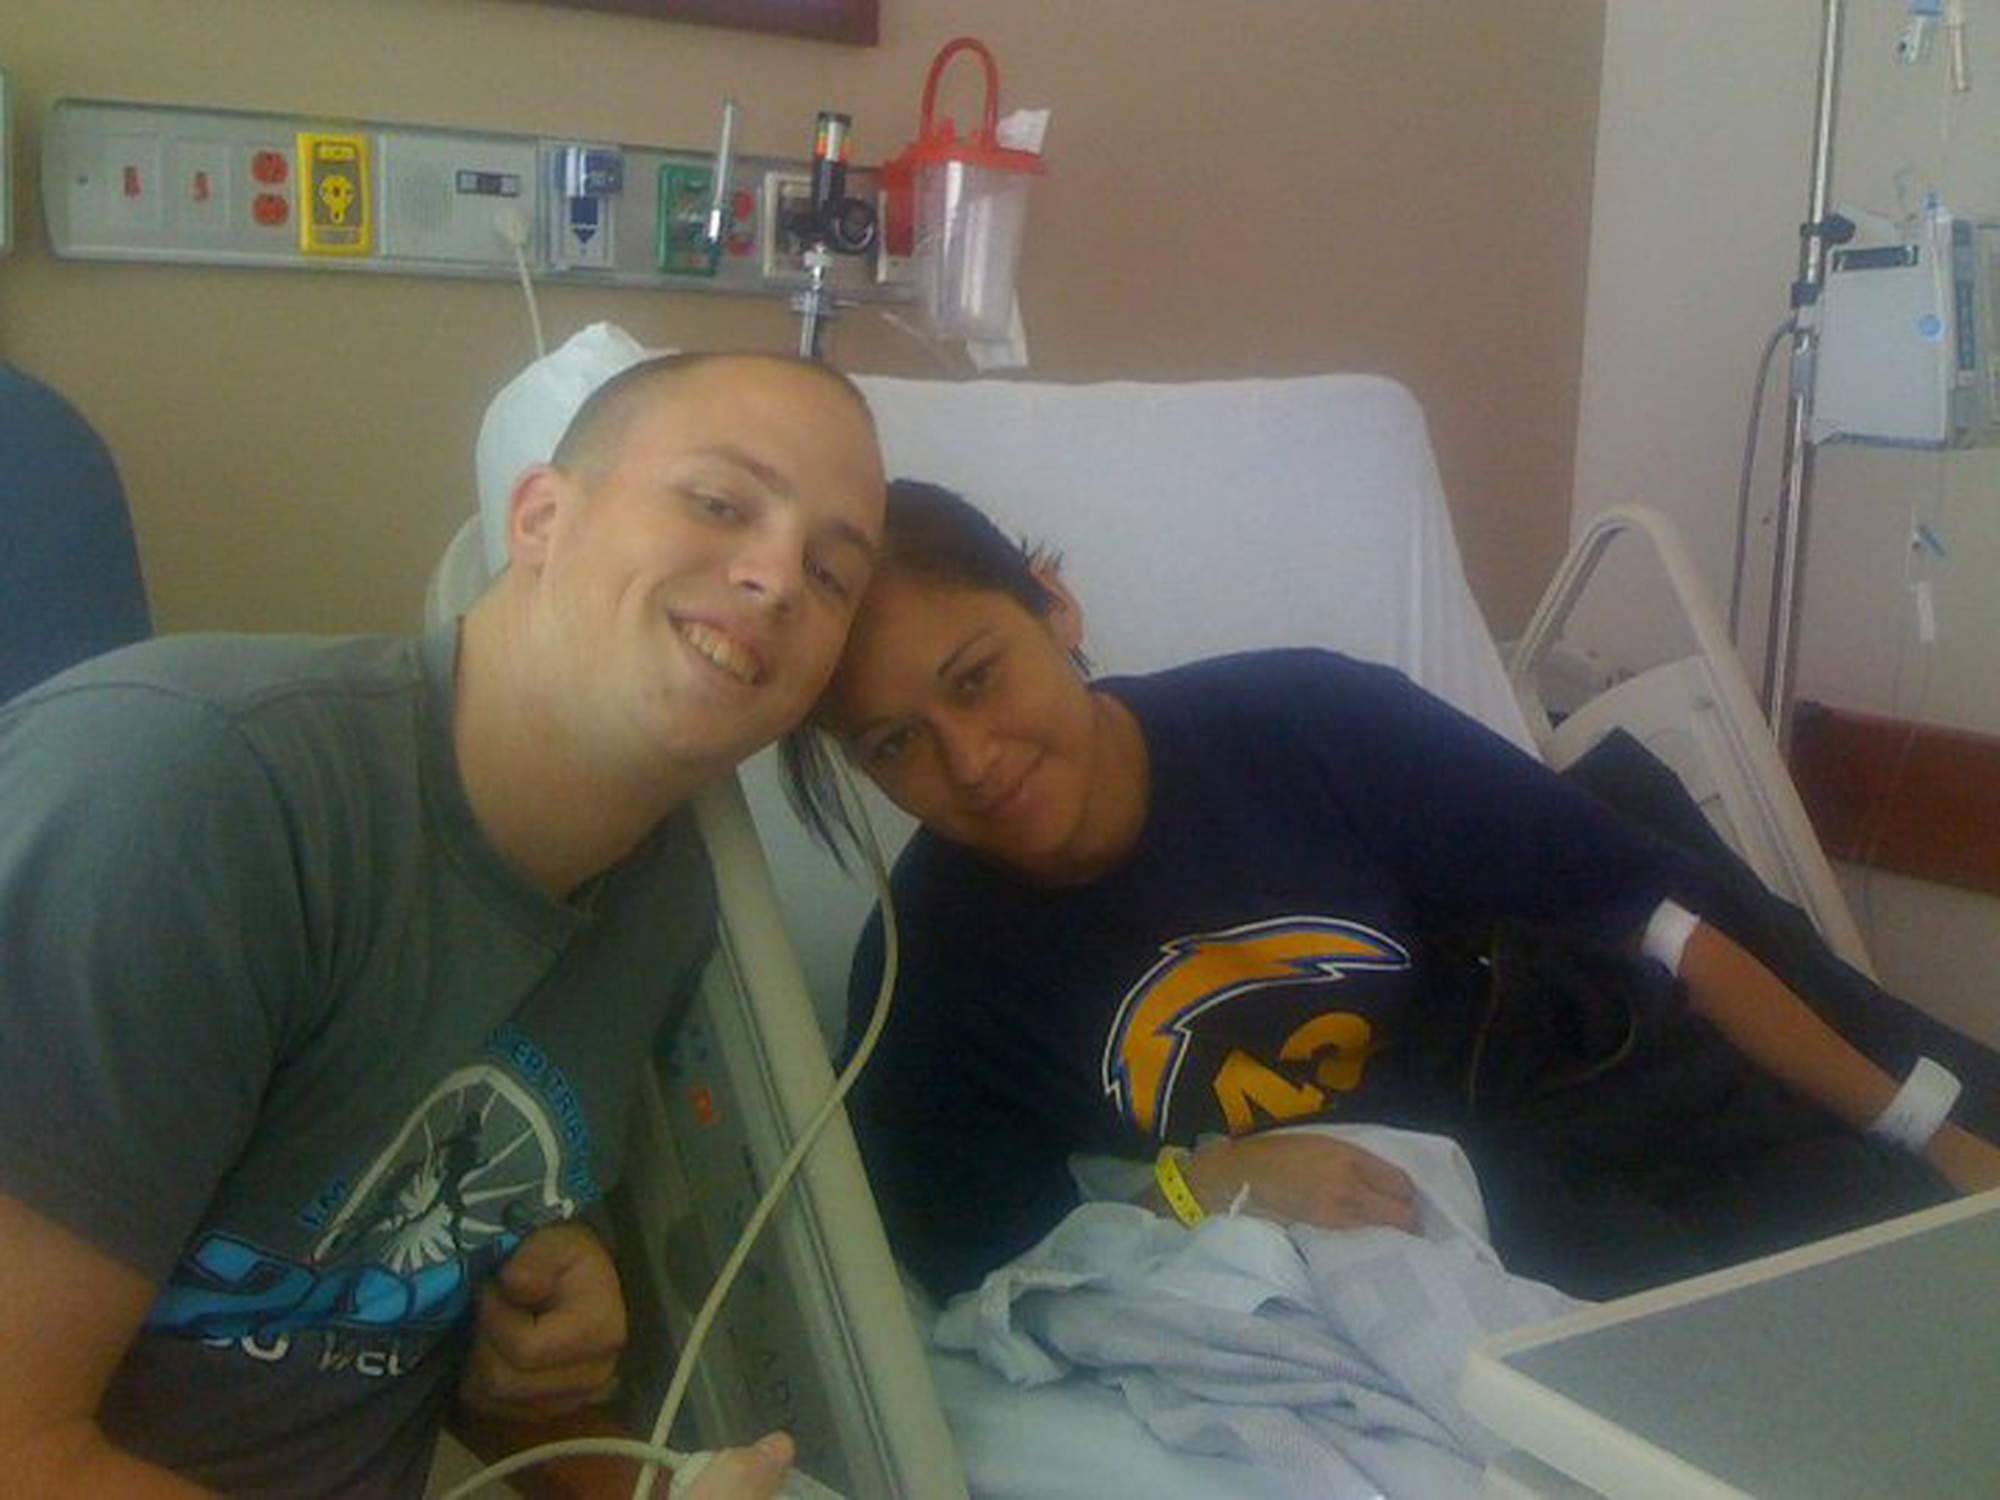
[(1771, 1026)]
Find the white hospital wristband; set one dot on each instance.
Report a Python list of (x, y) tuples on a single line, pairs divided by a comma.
[(1920, 1107), (1667, 934)]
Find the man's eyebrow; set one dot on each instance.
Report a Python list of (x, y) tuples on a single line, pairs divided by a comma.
[(843, 531), (747, 461)]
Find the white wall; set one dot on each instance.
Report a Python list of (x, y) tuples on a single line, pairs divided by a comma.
[(1704, 155)]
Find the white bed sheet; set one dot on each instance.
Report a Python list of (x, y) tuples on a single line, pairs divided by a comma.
[(1330, 1359), (1075, 1441)]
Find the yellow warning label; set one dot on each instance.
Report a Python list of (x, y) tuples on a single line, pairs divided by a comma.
[(333, 173)]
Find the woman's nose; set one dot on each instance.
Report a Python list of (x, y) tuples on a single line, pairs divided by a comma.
[(966, 748)]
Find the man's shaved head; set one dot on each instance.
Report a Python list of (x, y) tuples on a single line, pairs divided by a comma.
[(596, 433)]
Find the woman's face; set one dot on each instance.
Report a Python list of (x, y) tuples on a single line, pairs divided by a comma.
[(965, 708)]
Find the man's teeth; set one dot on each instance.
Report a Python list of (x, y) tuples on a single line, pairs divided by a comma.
[(720, 651)]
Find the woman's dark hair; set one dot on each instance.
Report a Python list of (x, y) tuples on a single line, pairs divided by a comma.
[(938, 535), (935, 534)]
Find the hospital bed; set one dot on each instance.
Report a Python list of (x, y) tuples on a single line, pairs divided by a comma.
[(1192, 519)]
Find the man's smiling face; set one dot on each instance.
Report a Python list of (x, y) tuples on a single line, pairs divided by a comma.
[(697, 580)]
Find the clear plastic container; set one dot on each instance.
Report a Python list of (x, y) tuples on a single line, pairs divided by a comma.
[(968, 244), (966, 204)]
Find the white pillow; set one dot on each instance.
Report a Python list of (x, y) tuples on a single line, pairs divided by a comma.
[(528, 418)]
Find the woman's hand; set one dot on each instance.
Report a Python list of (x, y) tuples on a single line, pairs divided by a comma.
[(1303, 1178), (1968, 1163)]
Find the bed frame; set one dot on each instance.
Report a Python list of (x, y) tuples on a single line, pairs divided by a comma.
[(1196, 519), (1697, 714)]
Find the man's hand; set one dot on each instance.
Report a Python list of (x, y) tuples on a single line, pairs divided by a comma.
[(1303, 1178), (551, 1323)]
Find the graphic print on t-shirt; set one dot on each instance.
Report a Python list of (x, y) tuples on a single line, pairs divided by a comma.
[(477, 1160), (1190, 990), (490, 1154)]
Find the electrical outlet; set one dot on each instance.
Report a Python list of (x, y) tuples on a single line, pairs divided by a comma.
[(198, 186), (129, 179)]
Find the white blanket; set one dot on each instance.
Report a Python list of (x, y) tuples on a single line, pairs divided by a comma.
[(1328, 1357)]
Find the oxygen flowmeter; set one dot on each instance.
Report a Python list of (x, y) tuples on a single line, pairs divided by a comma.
[(829, 223)]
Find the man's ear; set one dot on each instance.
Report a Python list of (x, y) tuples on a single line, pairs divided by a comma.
[(1065, 616), (532, 512)]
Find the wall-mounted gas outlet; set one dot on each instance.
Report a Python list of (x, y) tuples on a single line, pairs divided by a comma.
[(895, 256), (686, 196), (787, 200), (585, 183), (685, 191)]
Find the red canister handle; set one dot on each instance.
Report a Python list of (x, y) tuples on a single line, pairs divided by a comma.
[(990, 126)]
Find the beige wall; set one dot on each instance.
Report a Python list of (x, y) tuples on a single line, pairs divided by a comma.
[(1237, 187), (1704, 151)]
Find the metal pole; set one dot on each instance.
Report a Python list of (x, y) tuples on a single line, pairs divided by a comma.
[(1781, 647), (814, 305), (716, 229)]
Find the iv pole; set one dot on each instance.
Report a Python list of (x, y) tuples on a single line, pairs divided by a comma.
[(1781, 646)]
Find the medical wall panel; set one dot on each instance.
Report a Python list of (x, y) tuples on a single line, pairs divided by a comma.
[(165, 183)]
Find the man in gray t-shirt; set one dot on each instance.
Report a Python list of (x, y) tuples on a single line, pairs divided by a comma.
[(327, 966)]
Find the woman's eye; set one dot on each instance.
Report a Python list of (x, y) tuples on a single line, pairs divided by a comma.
[(890, 748), (976, 679)]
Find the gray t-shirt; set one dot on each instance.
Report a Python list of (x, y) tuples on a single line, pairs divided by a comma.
[(280, 1029)]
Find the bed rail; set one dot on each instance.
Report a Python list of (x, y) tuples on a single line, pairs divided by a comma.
[(1697, 714), (817, 1337)]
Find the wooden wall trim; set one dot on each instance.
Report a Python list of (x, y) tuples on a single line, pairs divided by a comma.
[(1918, 799)]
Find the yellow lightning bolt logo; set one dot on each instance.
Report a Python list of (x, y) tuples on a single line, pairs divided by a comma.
[(1149, 1038)]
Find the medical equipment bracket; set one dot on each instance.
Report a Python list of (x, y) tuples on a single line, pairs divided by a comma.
[(169, 184)]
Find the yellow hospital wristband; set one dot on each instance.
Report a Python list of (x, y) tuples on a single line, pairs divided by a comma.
[(1174, 1186)]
